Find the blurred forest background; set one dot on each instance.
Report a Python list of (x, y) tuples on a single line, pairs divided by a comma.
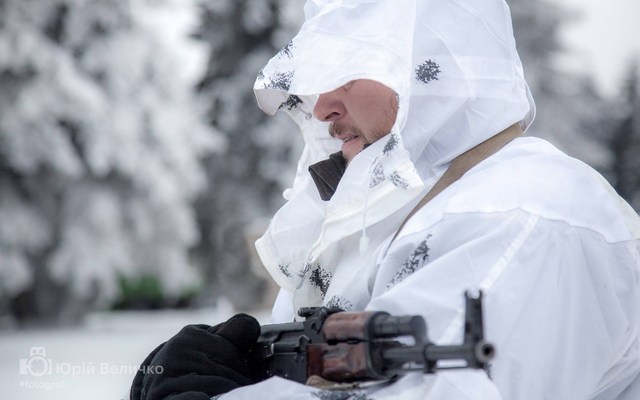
[(136, 169)]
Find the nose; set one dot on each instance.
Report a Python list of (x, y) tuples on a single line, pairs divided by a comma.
[(329, 107)]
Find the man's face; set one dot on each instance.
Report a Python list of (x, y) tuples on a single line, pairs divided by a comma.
[(360, 112)]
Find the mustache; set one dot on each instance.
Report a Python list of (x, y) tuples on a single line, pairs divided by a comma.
[(337, 129)]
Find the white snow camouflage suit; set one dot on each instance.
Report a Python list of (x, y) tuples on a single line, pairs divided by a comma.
[(552, 246)]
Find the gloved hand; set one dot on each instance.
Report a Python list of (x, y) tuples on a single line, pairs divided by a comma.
[(200, 362)]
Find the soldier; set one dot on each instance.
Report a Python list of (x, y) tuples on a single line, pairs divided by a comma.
[(422, 185)]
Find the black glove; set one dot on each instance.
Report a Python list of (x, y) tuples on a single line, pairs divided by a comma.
[(200, 362)]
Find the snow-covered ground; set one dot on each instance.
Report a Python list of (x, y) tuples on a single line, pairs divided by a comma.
[(96, 361)]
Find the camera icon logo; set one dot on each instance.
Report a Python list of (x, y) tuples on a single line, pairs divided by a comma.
[(36, 364)]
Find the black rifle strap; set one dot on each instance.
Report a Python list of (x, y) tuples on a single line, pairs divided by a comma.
[(463, 163)]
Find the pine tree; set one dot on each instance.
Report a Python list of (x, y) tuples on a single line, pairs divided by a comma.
[(603, 132), (247, 180), (99, 140), (624, 139), (568, 106)]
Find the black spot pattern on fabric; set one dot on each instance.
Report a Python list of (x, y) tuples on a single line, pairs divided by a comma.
[(416, 260), (280, 80), (398, 181), (339, 303), (427, 71), (287, 50), (302, 274), (391, 145), (377, 175), (292, 102), (340, 395), (285, 270), (320, 278)]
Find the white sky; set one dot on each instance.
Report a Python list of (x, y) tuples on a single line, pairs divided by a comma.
[(604, 40)]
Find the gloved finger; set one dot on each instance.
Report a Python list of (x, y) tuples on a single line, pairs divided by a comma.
[(195, 350), (241, 330), (136, 385)]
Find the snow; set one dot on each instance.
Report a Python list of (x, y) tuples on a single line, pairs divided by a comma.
[(96, 361)]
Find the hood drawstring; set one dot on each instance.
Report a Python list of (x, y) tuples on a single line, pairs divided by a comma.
[(364, 239)]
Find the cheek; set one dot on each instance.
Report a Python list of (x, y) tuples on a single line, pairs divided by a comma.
[(385, 119), (376, 124)]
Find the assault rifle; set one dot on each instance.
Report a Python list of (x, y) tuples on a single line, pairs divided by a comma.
[(365, 346)]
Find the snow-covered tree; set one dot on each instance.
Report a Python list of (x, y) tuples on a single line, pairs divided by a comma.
[(568, 104), (100, 136), (623, 138), (247, 180), (603, 132)]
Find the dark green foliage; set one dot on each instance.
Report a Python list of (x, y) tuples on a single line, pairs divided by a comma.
[(147, 293)]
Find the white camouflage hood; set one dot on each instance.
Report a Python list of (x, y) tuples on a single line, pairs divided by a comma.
[(459, 81)]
